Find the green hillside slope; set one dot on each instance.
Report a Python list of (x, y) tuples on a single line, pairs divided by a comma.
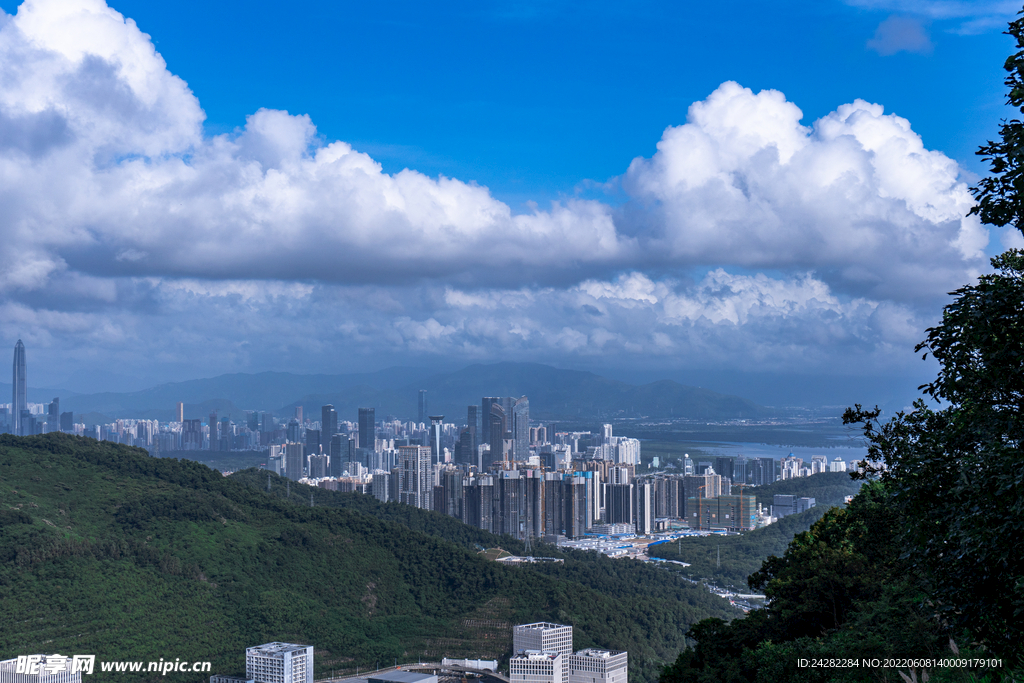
[(105, 550)]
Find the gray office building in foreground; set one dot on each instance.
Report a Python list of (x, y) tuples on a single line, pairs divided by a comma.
[(542, 637), (279, 663)]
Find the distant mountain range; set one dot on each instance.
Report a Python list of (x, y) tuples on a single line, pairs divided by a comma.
[(554, 394)]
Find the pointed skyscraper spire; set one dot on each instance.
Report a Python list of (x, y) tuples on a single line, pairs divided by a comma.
[(19, 389)]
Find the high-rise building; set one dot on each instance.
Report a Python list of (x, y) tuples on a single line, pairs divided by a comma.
[(473, 422), (279, 663), (467, 454), (521, 428), (542, 636), (485, 417), (339, 453), (19, 389), (619, 504), (227, 433), (67, 422), (724, 467), (214, 432), (179, 413), (328, 426), (416, 485), (765, 471), (435, 437), (192, 435), (313, 441), (294, 433), (53, 416), (497, 431), (367, 429), (644, 517), (423, 414), (318, 466), (293, 461)]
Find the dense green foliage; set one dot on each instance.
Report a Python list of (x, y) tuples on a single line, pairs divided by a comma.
[(105, 550), (840, 591), (1001, 195), (957, 473), (926, 553)]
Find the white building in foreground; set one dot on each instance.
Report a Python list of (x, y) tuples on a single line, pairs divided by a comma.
[(279, 663), (532, 666), (597, 666)]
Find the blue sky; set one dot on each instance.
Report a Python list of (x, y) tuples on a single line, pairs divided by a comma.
[(715, 192)]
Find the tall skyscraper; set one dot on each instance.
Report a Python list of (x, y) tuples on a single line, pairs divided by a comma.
[(179, 412), (416, 483), (496, 419), (473, 422), (214, 439), (423, 406), (485, 417), (521, 428), (435, 437), (53, 416), (294, 457), (19, 398), (367, 429), (328, 426)]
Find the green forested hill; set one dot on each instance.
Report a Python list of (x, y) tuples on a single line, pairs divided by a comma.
[(107, 551)]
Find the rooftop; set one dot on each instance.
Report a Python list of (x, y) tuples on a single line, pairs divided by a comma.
[(603, 654), (536, 654), (401, 677), (273, 649)]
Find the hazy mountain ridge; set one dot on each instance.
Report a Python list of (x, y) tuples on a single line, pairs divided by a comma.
[(554, 393)]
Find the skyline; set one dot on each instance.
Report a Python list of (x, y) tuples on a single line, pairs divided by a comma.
[(759, 240)]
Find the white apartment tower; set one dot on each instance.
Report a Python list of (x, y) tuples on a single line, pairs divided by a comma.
[(597, 666), (542, 637), (279, 663), (532, 666), (416, 477)]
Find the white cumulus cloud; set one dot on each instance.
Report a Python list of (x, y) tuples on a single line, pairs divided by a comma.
[(856, 195)]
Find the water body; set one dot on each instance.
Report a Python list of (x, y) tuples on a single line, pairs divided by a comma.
[(762, 450)]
